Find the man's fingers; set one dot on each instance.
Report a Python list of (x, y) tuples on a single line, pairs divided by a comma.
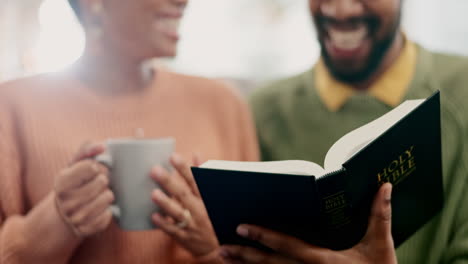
[(243, 254), (381, 216), (184, 170), (281, 243), (233, 261), (88, 150), (239, 254)]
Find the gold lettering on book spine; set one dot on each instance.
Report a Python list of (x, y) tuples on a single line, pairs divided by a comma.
[(399, 169), (336, 211), (336, 201)]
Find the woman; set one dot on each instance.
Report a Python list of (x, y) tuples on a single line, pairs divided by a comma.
[(54, 208)]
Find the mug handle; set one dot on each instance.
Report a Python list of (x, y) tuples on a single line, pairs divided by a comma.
[(106, 160)]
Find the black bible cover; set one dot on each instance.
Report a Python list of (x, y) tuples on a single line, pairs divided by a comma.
[(332, 211)]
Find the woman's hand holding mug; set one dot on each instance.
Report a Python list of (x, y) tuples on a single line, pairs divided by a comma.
[(82, 194), (185, 217)]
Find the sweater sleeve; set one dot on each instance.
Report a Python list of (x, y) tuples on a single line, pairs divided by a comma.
[(35, 236)]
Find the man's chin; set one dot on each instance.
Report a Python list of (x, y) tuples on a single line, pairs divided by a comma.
[(350, 77), (348, 71)]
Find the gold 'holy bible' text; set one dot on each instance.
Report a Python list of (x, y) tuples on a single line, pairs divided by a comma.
[(398, 169)]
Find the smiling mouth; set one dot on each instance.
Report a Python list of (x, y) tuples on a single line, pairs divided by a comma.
[(168, 25), (348, 39)]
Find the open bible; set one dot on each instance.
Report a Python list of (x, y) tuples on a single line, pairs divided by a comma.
[(330, 206)]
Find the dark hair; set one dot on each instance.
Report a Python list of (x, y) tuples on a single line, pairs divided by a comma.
[(75, 7)]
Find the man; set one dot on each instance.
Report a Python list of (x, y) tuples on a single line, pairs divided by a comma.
[(367, 67)]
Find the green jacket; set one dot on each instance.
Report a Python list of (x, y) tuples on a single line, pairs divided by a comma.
[(293, 123)]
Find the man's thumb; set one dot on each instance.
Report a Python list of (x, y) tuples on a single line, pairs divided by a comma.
[(381, 215)]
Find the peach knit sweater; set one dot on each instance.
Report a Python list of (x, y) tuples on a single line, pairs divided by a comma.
[(44, 120)]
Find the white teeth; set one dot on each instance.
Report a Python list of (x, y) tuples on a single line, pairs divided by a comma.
[(348, 40), (168, 24), (173, 23)]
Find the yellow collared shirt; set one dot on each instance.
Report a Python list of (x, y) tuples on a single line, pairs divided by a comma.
[(390, 88)]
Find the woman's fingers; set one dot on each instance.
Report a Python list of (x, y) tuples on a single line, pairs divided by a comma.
[(76, 176), (170, 207), (77, 198), (97, 224), (183, 168), (168, 225), (174, 185), (197, 159), (93, 209), (88, 150), (82, 195)]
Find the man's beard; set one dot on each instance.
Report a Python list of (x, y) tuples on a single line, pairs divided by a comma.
[(374, 60)]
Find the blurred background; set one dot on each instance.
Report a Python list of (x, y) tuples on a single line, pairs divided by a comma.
[(245, 41)]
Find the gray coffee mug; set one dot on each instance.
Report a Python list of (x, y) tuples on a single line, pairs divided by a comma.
[(130, 162)]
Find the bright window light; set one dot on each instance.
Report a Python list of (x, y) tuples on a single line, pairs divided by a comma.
[(61, 39), (246, 39)]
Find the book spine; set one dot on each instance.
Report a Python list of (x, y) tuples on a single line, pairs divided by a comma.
[(341, 226), (333, 200)]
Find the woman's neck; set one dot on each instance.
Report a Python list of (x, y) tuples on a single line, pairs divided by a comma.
[(112, 73)]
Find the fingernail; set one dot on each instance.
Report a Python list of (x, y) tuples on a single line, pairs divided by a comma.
[(92, 150), (157, 194), (156, 217), (95, 167), (242, 231), (176, 158), (388, 193), (158, 172)]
